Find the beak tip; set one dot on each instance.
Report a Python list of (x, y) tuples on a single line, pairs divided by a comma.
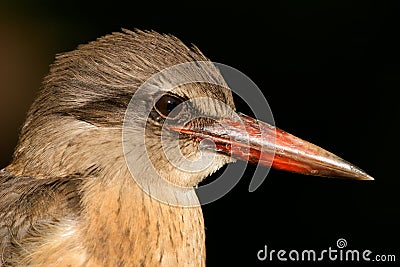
[(367, 178), (363, 176)]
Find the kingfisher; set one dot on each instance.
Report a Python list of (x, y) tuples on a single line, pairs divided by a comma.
[(68, 197)]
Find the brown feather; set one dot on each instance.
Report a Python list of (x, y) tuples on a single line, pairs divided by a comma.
[(68, 198)]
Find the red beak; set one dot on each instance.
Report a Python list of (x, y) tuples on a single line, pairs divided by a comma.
[(258, 142)]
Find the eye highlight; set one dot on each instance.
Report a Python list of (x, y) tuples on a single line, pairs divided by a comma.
[(168, 106)]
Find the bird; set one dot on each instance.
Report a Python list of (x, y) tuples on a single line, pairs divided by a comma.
[(68, 198)]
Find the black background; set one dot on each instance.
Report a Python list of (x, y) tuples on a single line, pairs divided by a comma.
[(329, 70)]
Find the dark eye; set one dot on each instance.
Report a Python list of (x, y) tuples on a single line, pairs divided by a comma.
[(169, 106)]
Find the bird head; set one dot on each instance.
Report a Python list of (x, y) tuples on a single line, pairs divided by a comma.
[(76, 123)]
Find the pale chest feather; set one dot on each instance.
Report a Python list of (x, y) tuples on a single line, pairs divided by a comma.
[(126, 227)]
